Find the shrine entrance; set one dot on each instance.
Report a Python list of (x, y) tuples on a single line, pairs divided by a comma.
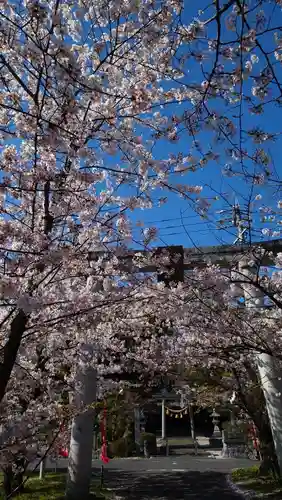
[(176, 433)]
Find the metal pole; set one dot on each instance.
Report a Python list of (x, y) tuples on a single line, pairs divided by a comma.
[(163, 420), (192, 422), (41, 468)]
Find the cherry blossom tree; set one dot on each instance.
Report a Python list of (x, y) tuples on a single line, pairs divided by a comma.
[(87, 93), (82, 109), (220, 338)]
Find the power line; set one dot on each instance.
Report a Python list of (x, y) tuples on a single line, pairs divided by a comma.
[(193, 231), (176, 226), (171, 219)]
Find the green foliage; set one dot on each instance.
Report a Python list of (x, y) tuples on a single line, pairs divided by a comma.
[(119, 417), (147, 436), (245, 474), (52, 487), (250, 479), (122, 447)]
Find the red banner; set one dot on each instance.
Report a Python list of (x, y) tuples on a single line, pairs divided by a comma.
[(104, 457), (63, 452)]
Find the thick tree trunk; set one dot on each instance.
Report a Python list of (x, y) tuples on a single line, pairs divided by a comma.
[(269, 462), (10, 350), (269, 459), (253, 402)]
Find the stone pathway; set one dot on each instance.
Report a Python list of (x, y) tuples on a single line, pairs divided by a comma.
[(159, 485)]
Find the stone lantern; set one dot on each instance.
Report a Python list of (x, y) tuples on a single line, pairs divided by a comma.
[(215, 420)]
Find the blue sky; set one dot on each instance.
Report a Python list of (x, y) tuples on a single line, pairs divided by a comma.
[(176, 220)]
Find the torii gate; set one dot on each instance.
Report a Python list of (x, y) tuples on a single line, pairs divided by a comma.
[(224, 256), (182, 259), (189, 258)]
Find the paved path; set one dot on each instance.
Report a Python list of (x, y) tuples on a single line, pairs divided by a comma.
[(169, 486), (182, 477), (168, 479)]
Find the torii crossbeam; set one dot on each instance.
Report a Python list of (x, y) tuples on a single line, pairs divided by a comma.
[(193, 257)]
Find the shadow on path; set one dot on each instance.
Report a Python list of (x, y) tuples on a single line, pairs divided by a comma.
[(174, 485)]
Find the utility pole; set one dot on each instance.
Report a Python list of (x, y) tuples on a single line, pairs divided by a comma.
[(241, 223), (268, 366)]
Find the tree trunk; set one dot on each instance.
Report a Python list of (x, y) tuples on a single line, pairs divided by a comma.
[(18, 483), (8, 481), (10, 350), (12, 483), (254, 404), (269, 462)]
